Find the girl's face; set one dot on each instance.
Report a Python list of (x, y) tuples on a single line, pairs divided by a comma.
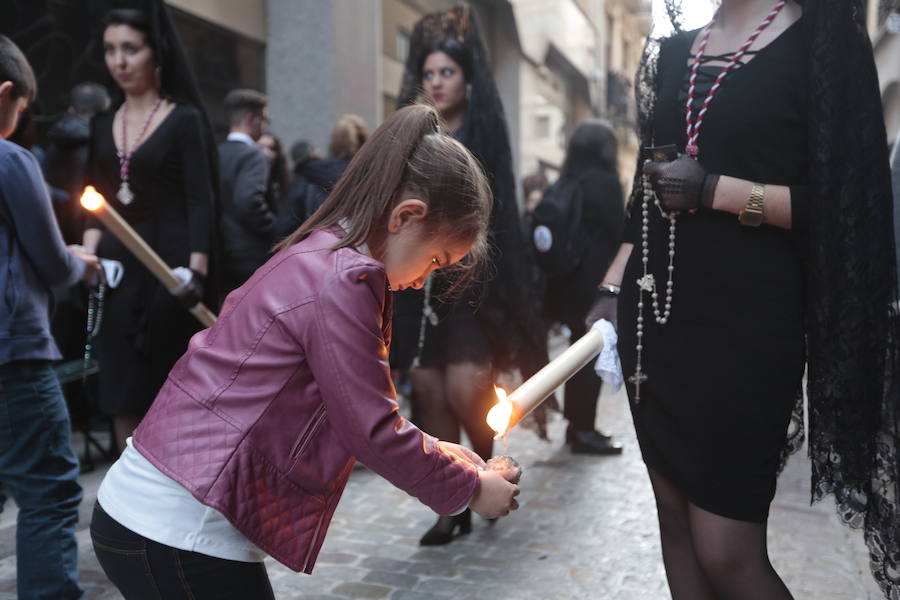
[(443, 81), (129, 59), (409, 254)]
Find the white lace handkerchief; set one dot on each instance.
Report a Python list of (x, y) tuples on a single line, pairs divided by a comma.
[(608, 366)]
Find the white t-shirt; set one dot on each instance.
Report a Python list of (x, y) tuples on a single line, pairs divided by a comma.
[(145, 500)]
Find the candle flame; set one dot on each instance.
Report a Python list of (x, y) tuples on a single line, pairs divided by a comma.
[(91, 199), (500, 414)]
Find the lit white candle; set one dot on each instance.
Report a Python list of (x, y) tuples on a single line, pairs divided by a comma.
[(510, 410), (93, 201)]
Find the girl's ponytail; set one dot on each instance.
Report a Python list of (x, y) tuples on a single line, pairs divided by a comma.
[(369, 187)]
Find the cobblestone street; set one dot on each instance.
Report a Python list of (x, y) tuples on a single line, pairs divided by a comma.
[(586, 530)]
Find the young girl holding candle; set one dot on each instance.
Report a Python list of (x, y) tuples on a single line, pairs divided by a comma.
[(250, 442)]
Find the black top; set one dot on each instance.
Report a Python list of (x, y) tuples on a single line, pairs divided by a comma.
[(312, 182), (144, 330), (725, 370), (569, 298)]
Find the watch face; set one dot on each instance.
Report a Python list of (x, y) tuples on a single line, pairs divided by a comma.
[(750, 218)]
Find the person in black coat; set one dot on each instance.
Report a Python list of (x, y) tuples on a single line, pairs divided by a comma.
[(313, 180), (247, 221), (315, 177), (65, 162), (591, 161)]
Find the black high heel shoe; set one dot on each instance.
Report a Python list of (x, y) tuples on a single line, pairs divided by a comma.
[(443, 531)]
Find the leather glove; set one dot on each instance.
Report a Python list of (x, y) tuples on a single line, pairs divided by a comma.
[(606, 306), (192, 294), (682, 184)]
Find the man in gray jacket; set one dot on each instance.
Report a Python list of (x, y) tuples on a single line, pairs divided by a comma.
[(37, 466), (247, 221)]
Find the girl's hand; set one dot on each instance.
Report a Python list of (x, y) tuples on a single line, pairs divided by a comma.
[(495, 495), (461, 453)]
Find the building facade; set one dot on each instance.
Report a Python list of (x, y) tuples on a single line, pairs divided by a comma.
[(579, 61)]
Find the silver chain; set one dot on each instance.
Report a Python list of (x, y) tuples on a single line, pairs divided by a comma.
[(428, 316)]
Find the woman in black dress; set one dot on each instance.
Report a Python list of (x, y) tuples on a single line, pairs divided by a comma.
[(760, 251), (150, 158), (456, 350)]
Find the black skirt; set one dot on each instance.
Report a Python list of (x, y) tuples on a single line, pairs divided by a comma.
[(457, 338)]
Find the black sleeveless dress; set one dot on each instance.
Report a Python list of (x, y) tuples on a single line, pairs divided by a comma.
[(725, 371)]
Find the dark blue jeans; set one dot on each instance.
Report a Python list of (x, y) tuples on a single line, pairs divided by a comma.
[(146, 570), (39, 471)]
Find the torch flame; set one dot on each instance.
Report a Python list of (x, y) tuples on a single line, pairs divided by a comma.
[(500, 414), (91, 199)]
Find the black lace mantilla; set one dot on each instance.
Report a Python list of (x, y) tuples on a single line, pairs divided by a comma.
[(852, 315)]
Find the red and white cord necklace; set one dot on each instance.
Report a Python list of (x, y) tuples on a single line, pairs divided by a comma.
[(693, 127), (647, 282), (125, 195)]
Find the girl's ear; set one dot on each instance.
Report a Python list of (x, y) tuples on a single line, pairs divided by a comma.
[(410, 211)]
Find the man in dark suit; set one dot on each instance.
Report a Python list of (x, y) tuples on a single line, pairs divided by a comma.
[(246, 222)]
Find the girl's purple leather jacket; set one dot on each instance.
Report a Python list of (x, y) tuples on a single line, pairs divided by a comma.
[(267, 411)]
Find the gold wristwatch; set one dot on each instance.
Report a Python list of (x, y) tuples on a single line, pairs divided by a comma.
[(754, 213)]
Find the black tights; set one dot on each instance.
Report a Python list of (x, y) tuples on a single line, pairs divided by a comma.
[(457, 394), (709, 557)]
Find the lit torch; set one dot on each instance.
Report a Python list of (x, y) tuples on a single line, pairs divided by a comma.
[(507, 413), (93, 201)]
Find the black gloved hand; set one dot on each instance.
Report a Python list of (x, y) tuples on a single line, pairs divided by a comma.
[(682, 184), (192, 294), (605, 306)]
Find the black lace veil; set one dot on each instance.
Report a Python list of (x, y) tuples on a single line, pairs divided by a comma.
[(852, 321), (504, 308)]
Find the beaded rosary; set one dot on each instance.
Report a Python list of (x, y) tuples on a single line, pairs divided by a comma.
[(125, 195), (94, 320), (647, 282)]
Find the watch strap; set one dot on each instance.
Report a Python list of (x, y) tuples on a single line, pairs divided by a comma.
[(754, 212)]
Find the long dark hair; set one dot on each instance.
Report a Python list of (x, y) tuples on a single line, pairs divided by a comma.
[(279, 173), (409, 155), (593, 145)]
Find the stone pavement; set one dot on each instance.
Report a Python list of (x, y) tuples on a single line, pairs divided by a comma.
[(586, 530)]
